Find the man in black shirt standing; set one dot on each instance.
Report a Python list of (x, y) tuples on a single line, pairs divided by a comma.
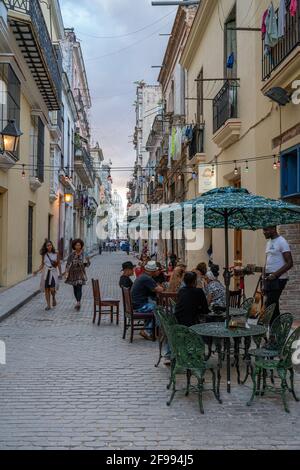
[(128, 272), (191, 302)]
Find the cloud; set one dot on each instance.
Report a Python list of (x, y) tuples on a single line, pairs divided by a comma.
[(111, 78)]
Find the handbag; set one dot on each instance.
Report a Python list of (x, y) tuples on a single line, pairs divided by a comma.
[(54, 264)]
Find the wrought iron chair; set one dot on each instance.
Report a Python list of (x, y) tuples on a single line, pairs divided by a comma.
[(104, 306), (282, 366), (279, 333), (166, 322), (189, 355), (166, 301), (132, 319)]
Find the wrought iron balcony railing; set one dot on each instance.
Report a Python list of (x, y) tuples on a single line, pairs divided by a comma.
[(225, 105), (284, 47), (44, 60)]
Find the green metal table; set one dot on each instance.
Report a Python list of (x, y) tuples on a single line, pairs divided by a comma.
[(219, 332)]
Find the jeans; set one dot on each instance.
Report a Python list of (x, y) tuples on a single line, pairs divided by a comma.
[(273, 296), (78, 293)]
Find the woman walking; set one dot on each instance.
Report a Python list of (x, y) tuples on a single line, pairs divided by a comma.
[(49, 268), (76, 270)]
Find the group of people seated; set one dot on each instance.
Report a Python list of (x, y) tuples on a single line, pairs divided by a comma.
[(198, 291)]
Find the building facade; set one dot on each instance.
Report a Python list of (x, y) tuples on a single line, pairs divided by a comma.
[(31, 89), (249, 139)]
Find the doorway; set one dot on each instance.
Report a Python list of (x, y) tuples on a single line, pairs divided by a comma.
[(30, 240)]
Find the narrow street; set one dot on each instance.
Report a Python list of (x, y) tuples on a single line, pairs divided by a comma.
[(71, 385)]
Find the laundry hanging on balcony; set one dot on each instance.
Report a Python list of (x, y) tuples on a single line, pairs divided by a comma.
[(175, 144), (293, 7), (282, 18), (271, 36)]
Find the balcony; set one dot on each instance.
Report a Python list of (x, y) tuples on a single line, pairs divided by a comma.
[(44, 60), (226, 125), (84, 167), (281, 67)]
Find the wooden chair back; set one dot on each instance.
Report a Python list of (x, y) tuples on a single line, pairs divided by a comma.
[(96, 290), (165, 301), (235, 298), (128, 310)]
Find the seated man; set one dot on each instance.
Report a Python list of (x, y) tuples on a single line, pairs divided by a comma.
[(144, 292), (128, 272), (191, 302)]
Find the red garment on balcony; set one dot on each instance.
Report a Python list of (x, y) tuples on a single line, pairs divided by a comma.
[(293, 7), (264, 26)]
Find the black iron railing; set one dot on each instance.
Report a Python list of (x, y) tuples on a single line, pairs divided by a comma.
[(277, 54), (51, 55), (225, 105)]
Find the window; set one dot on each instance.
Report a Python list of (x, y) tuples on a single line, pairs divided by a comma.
[(290, 172), (10, 92), (200, 97), (230, 46), (37, 147)]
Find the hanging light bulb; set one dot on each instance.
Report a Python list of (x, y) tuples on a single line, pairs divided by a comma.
[(23, 172), (278, 163), (236, 171), (275, 164), (213, 170), (247, 167), (179, 177), (194, 175)]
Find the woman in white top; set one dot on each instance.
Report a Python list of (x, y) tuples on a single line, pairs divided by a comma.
[(49, 268)]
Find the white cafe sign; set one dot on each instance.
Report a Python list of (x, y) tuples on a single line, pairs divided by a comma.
[(207, 178)]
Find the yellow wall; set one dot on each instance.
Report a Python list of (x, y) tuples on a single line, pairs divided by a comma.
[(15, 204)]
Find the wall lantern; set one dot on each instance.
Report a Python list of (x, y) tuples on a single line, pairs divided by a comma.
[(10, 137), (68, 198)]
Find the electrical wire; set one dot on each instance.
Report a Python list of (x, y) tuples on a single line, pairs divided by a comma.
[(131, 33), (92, 59)]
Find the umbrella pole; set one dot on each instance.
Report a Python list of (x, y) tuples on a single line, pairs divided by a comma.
[(227, 278)]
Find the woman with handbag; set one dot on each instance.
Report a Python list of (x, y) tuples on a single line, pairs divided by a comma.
[(76, 270), (49, 268)]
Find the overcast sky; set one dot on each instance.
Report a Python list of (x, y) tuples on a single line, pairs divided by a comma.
[(111, 72)]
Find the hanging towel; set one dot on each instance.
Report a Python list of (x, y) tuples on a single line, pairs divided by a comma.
[(263, 25), (293, 7), (281, 18), (230, 61), (271, 38)]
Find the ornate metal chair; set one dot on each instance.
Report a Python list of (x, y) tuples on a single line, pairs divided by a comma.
[(166, 322), (282, 366), (189, 355), (279, 333), (104, 306), (132, 319), (166, 301)]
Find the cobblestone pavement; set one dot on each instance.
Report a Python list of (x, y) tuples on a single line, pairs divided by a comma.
[(71, 385)]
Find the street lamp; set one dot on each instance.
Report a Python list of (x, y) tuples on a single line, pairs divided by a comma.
[(10, 137), (68, 198)]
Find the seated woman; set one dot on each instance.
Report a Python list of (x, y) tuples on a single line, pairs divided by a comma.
[(216, 292), (191, 304), (176, 279), (201, 271)]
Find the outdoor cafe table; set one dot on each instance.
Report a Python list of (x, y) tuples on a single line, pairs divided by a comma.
[(233, 313), (219, 332)]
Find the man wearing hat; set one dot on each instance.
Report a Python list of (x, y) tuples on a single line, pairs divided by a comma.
[(144, 292), (128, 272)]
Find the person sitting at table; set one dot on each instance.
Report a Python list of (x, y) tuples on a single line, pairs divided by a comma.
[(128, 272), (201, 271), (176, 279), (191, 302), (216, 292), (160, 278)]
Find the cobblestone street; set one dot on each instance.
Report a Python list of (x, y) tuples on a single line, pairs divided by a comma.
[(71, 385)]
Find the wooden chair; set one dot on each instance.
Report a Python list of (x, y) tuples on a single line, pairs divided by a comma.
[(104, 306), (235, 298), (132, 319)]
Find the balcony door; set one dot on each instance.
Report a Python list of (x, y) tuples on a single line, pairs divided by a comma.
[(230, 46)]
